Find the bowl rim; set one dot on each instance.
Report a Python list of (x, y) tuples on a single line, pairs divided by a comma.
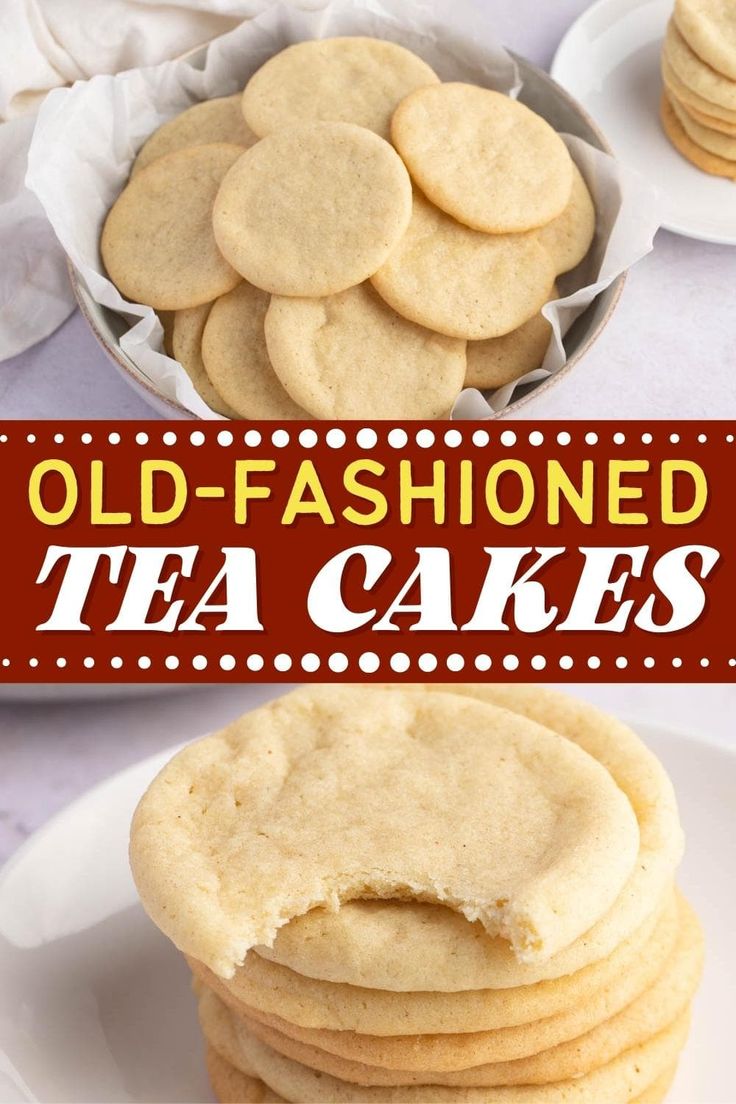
[(113, 352), (614, 290)]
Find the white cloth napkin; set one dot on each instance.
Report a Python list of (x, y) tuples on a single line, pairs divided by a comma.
[(47, 44)]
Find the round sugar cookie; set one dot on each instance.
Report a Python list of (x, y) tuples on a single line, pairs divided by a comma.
[(186, 347), (235, 357), (376, 813), (501, 360), (463, 283), (654, 1010), (683, 143), (413, 946), (233, 1086), (351, 356), (709, 26), (345, 80), (359, 945), (639, 775), (710, 121), (314, 209), (622, 1079), (569, 237), (434, 1030), (482, 157), (690, 99), (694, 72), (712, 141), (157, 242), (219, 120)]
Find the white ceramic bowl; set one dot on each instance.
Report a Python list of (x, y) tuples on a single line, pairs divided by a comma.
[(540, 93)]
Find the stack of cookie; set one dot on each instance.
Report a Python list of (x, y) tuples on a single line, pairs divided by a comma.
[(425, 894), (699, 73), (351, 238)]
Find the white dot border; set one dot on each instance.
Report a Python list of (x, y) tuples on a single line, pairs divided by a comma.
[(370, 663), (397, 435)]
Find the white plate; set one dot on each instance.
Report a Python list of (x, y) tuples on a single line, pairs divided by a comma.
[(95, 1004), (609, 61)]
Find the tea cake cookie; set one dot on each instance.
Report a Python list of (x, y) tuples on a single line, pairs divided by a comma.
[(569, 237), (582, 835), (351, 356), (638, 774), (334, 755), (501, 360), (433, 1030), (219, 120), (233, 1086), (537, 778), (650, 1012), (694, 72), (379, 944), (683, 143), (722, 145), (658, 1090), (690, 99), (463, 283), (235, 357), (634, 768), (653, 1010), (186, 347), (220, 1029), (313, 209), (621, 1079), (712, 122), (482, 157), (709, 26), (413, 946), (348, 80), (157, 243)]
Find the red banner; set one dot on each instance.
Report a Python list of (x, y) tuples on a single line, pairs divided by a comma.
[(153, 551)]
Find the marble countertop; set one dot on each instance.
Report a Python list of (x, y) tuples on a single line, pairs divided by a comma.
[(51, 752), (669, 350)]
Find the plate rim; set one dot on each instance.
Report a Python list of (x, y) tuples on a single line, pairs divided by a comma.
[(48, 827)]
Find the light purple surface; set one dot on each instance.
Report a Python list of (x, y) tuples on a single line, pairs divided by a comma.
[(669, 350)]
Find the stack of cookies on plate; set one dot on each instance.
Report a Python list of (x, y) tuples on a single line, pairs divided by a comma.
[(699, 73), (351, 237), (446, 893)]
